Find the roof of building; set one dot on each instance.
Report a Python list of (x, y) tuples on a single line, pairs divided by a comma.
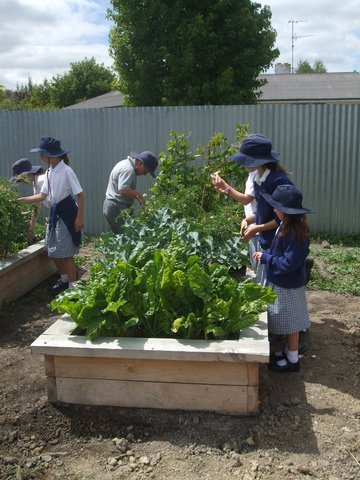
[(311, 87), (280, 88), (107, 100)]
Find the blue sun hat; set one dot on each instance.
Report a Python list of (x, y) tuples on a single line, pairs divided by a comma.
[(50, 147), (23, 166), (256, 150), (148, 159), (287, 199)]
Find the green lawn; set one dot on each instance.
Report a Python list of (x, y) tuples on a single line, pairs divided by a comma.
[(336, 264)]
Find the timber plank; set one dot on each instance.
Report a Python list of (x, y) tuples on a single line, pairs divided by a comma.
[(174, 396), (219, 373)]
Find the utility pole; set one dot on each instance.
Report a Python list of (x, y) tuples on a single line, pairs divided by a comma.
[(293, 38)]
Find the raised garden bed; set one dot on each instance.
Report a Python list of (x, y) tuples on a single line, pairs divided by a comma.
[(219, 376), (24, 271)]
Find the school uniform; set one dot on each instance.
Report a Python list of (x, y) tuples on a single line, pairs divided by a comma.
[(123, 175), (60, 184), (286, 275), (268, 182)]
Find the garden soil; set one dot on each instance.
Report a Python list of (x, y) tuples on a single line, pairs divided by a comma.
[(307, 425)]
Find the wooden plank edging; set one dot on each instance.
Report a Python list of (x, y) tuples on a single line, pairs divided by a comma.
[(252, 346)]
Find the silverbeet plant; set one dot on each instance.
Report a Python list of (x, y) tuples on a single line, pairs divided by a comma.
[(163, 293)]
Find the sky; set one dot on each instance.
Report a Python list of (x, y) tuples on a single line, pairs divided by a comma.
[(40, 38)]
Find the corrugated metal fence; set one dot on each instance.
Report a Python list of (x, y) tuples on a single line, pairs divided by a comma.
[(319, 144)]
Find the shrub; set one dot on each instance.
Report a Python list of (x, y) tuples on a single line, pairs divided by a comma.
[(14, 220), (184, 184)]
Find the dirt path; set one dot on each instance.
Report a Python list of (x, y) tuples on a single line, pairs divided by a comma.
[(308, 424)]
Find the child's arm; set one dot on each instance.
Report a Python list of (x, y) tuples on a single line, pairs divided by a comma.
[(79, 222), (289, 260), (133, 194), (39, 197), (254, 228)]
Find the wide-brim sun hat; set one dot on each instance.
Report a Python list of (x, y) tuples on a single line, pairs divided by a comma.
[(287, 199), (256, 150), (23, 166), (50, 147), (148, 159)]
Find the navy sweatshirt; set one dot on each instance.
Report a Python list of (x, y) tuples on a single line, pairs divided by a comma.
[(285, 262), (67, 211), (264, 211)]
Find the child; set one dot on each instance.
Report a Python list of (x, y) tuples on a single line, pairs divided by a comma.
[(121, 190), (286, 274), (63, 235), (24, 172), (256, 155)]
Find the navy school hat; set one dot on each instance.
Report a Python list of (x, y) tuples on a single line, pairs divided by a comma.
[(256, 150), (287, 199), (148, 159), (50, 147), (23, 166)]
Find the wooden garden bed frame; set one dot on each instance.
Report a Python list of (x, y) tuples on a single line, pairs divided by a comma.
[(218, 376), (24, 271)]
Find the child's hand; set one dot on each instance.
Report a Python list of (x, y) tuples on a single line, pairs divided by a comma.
[(249, 232), (257, 256), (219, 184)]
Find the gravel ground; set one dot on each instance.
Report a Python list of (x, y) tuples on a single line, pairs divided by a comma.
[(307, 426)]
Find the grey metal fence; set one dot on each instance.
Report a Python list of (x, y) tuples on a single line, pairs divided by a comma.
[(319, 144)]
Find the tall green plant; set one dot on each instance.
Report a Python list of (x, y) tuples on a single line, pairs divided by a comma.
[(184, 184), (14, 220)]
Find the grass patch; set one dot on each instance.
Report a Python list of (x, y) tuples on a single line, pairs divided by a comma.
[(336, 264)]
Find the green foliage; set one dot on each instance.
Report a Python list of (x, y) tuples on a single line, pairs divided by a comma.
[(14, 219), (336, 264), (160, 229), (28, 97), (162, 293), (85, 79), (191, 53), (184, 184), (305, 67)]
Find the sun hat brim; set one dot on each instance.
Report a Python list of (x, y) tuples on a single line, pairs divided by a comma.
[(279, 206), (46, 153), (36, 169), (255, 161)]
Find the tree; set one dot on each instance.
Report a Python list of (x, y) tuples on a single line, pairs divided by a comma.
[(85, 79), (305, 67), (191, 53), (28, 96)]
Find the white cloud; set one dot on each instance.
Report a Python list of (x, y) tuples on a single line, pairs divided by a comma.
[(40, 38), (330, 32)]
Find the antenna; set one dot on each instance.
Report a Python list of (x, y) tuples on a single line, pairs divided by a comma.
[(295, 37)]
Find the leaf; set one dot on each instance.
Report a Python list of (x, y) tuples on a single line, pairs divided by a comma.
[(200, 283)]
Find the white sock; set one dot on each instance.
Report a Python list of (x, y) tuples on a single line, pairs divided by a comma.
[(64, 277), (293, 356)]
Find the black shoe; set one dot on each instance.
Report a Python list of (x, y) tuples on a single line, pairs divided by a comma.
[(274, 358), (289, 367), (59, 286)]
